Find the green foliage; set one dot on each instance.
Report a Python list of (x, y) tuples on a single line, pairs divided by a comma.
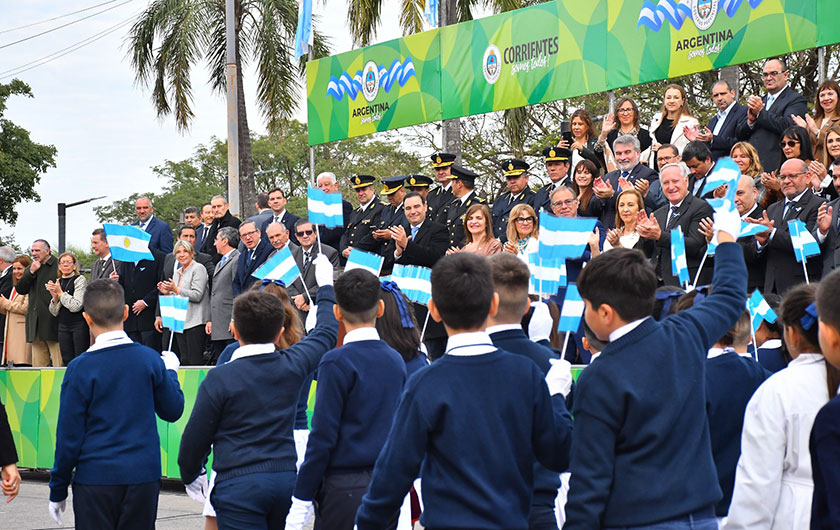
[(22, 161)]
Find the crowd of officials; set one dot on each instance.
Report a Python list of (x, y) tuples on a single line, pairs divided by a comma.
[(686, 416)]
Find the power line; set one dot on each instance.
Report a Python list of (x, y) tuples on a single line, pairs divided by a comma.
[(64, 51), (56, 18), (63, 25)]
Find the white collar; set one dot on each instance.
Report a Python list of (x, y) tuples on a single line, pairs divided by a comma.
[(722, 114), (807, 358), (625, 329), (280, 215), (448, 186), (227, 254), (106, 258), (108, 339), (594, 356), (465, 197), (469, 344), (777, 94), (365, 206), (6, 270), (252, 349), (671, 205), (717, 352), (360, 334), (418, 226), (770, 344), (749, 212), (795, 199), (498, 328), (147, 221)]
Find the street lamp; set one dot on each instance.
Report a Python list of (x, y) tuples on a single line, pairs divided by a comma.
[(62, 218)]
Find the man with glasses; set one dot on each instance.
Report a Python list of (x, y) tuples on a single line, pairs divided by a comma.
[(304, 255), (516, 175), (255, 253), (721, 134), (630, 172), (783, 271), (41, 325), (769, 116)]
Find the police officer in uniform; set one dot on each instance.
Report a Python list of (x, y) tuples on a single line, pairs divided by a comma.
[(452, 215), (557, 163), (442, 193), (423, 185), (364, 219), (392, 215), (516, 174)]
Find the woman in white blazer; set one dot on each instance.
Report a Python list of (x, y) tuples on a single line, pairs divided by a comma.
[(667, 124), (773, 481)]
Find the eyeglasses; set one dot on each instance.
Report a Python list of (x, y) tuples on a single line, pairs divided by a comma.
[(301, 233), (529, 219), (66, 262), (791, 176), (788, 143), (249, 234), (664, 159), (774, 73), (567, 202), (625, 111)]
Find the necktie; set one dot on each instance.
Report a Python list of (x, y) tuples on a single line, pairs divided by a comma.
[(306, 258), (672, 217), (788, 208), (276, 218), (625, 174), (143, 225), (250, 257), (224, 258), (414, 230), (770, 99)]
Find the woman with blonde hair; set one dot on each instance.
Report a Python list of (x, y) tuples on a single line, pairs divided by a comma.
[(190, 280), (628, 204), (15, 307), (68, 293), (669, 124), (479, 228), (522, 232)]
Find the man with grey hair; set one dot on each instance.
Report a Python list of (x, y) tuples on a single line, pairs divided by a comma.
[(221, 218), (7, 256), (160, 231), (684, 210), (630, 173), (221, 297), (278, 237), (328, 183)]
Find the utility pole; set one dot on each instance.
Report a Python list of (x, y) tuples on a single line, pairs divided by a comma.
[(450, 129), (62, 219), (232, 108)]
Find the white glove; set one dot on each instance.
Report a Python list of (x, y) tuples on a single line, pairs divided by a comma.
[(55, 511), (540, 326), (729, 222), (170, 360), (559, 377), (311, 319), (300, 514), (197, 489), (323, 270)]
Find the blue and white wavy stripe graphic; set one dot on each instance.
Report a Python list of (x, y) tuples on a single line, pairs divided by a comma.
[(654, 15), (399, 72), (730, 7)]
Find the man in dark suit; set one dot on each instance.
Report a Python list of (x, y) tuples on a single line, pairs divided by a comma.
[(160, 231), (746, 200), (627, 152), (698, 159), (421, 184), (255, 253), (422, 242), (516, 175), (302, 293), (769, 116), (7, 257), (783, 271), (721, 134), (202, 230), (221, 218), (105, 264), (139, 281), (557, 163), (364, 219), (221, 299), (463, 188), (831, 231), (264, 213), (394, 190), (441, 194), (683, 210), (277, 203), (327, 183)]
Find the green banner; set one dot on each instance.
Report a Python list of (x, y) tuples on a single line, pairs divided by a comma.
[(380, 87)]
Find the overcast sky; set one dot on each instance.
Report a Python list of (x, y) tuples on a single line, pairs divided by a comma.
[(104, 126)]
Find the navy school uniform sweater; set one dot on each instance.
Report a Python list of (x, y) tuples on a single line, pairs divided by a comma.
[(546, 482), (359, 386), (470, 427), (731, 380), (825, 465), (418, 363), (246, 408), (641, 451), (107, 438), (301, 420)]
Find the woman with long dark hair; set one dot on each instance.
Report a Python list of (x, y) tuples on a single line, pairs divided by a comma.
[(584, 175)]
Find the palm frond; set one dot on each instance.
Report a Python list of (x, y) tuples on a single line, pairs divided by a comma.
[(363, 18), (411, 16)]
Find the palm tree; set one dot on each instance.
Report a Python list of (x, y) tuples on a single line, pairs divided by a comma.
[(170, 36)]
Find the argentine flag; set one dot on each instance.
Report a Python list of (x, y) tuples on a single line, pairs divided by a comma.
[(128, 243), (759, 310), (679, 267), (751, 229), (281, 267), (325, 209), (564, 237), (173, 312), (804, 244), (304, 36), (546, 276), (359, 259), (415, 282), (572, 310)]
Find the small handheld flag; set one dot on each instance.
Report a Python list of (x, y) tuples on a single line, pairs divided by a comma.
[(804, 244), (415, 282), (759, 310), (173, 312), (128, 243), (547, 276), (281, 266), (679, 267), (572, 310), (751, 229), (359, 259), (564, 237), (725, 173), (304, 37), (325, 208)]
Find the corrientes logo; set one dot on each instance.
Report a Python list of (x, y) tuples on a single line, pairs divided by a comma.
[(370, 85), (492, 65)]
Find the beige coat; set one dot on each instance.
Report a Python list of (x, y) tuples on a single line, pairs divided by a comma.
[(14, 335)]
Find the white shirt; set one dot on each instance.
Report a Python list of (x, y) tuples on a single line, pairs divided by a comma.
[(784, 207), (108, 339), (771, 98), (771, 344), (722, 117), (625, 329), (277, 217), (360, 334), (749, 213), (502, 327), (469, 344), (364, 207), (252, 349)]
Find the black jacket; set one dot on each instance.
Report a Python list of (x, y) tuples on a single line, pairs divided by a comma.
[(688, 216)]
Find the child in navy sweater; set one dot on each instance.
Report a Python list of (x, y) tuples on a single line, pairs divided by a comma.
[(641, 452), (112, 442), (359, 386), (825, 436), (472, 424), (246, 410)]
